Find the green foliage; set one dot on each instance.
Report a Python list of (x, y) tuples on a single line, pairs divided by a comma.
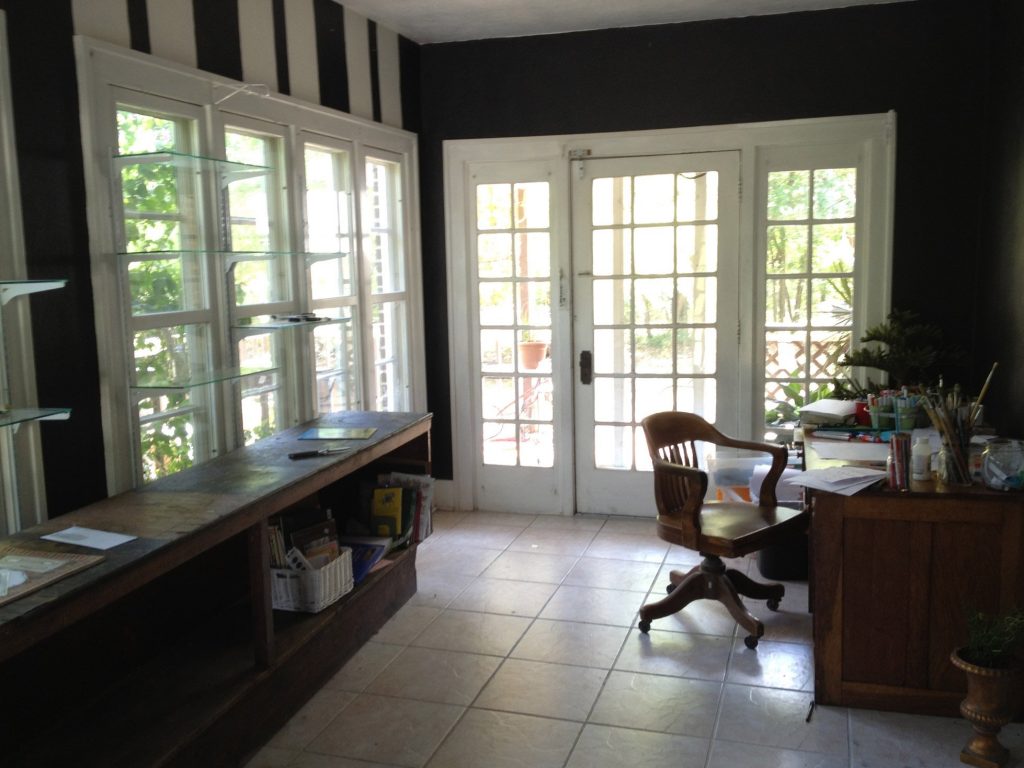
[(910, 353), (788, 410), (994, 640)]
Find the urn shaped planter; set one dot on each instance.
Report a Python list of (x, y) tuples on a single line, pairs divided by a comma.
[(989, 705)]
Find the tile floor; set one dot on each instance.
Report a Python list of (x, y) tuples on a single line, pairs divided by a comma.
[(520, 650)]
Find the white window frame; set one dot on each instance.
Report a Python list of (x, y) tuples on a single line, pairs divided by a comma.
[(872, 135), (102, 68)]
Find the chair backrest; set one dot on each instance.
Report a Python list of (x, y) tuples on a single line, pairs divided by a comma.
[(679, 482)]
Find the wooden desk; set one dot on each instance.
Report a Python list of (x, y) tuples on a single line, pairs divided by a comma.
[(214, 694), (893, 577)]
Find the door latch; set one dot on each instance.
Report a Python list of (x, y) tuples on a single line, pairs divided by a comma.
[(586, 367)]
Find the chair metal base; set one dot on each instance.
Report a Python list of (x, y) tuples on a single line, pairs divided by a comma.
[(711, 580)]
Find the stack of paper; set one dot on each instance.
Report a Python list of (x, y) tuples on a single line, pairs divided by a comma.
[(844, 480)]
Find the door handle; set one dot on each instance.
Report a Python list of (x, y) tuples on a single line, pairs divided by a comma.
[(586, 367)]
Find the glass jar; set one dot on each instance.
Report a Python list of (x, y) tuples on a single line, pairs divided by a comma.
[(1002, 464)]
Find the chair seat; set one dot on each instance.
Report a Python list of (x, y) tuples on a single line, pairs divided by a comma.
[(735, 529)]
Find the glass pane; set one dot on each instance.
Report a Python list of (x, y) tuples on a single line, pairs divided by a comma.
[(782, 401), (654, 250), (494, 206), (533, 350), (611, 201), (534, 302), (653, 350), (696, 300), (167, 444), (613, 351), (256, 351), (612, 253), (390, 386), (696, 350), (533, 254), (334, 348), (834, 246), (613, 399), (165, 285), (496, 306), (831, 301), (259, 281), (787, 249), (496, 350), (827, 348), (697, 396), (536, 445), (652, 396), (786, 302), (654, 199), (653, 301), (331, 278), (613, 447), (494, 255), (499, 443), (835, 193), (789, 195), (785, 354), (697, 196), (641, 452), (697, 248), (259, 415), (612, 302), (535, 399), (498, 397), (383, 218), (172, 355), (328, 227), (532, 205)]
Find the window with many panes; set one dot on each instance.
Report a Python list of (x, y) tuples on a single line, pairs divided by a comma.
[(262, 267)]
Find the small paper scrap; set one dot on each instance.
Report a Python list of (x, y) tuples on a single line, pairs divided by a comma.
[(88, 537)]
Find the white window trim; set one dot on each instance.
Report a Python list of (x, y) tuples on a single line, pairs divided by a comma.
[(102, 67), (874, 133)]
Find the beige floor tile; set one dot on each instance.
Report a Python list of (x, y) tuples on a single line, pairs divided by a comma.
[(273, 757), (485, 739), (620, 574), (679, 556), (527, 566), (306, 724), (704, 617), (632, 526), (449, 557), (472, 632), (777, 718), (487, 536), (313, 760), (384, 729), (540, 688), (728, 754), (569, 523), (772, 664), (591, 604), (515, 598), (675, 653), (444, 519), (567, 642), (887, 739), (621, 546), (552, 541), (437, 589), (511, 519), (600, 746), (408, 622), (428, 674), (656, 703), (365, 665)]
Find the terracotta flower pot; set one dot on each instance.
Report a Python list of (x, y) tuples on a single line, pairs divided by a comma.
[(988, 707), (531, 353)]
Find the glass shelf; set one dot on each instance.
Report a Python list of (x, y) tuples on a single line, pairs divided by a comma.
[(326, 256), (278, 325), (9, 289), (229, 169), (230, 257), (16, 416), (151, 382)]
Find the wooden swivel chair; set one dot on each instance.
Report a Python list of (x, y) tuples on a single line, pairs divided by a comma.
[(715, 529)]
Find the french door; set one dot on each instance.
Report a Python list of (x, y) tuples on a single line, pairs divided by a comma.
[(655, 298)]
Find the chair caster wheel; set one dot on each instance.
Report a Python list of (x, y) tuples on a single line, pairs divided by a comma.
[(773, 604), (750, 641), (645, 626), (669, 589)]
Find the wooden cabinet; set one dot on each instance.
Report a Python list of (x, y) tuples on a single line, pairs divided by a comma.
[(893, 576), (167, 652)]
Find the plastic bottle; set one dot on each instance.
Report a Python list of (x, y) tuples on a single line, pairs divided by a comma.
[(921, 459)]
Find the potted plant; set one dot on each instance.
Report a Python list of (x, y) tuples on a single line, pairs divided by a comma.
[(991, 661), (907, 349), (531, 351)]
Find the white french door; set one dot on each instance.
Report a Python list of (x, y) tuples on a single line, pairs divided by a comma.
[(656, 302)]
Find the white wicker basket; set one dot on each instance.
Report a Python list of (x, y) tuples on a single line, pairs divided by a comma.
[(312, 591)]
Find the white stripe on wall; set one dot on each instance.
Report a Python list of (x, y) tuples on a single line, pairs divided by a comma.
[(172, 30), (256, 39), (390, 74), (103, 19), (357, 59), (302, 65)]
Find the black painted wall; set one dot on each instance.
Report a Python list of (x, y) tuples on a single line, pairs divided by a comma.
[(1000, 300), (928, 60)]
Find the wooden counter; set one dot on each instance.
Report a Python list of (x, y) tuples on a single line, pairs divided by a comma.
[(893, 576), (235, 670)]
